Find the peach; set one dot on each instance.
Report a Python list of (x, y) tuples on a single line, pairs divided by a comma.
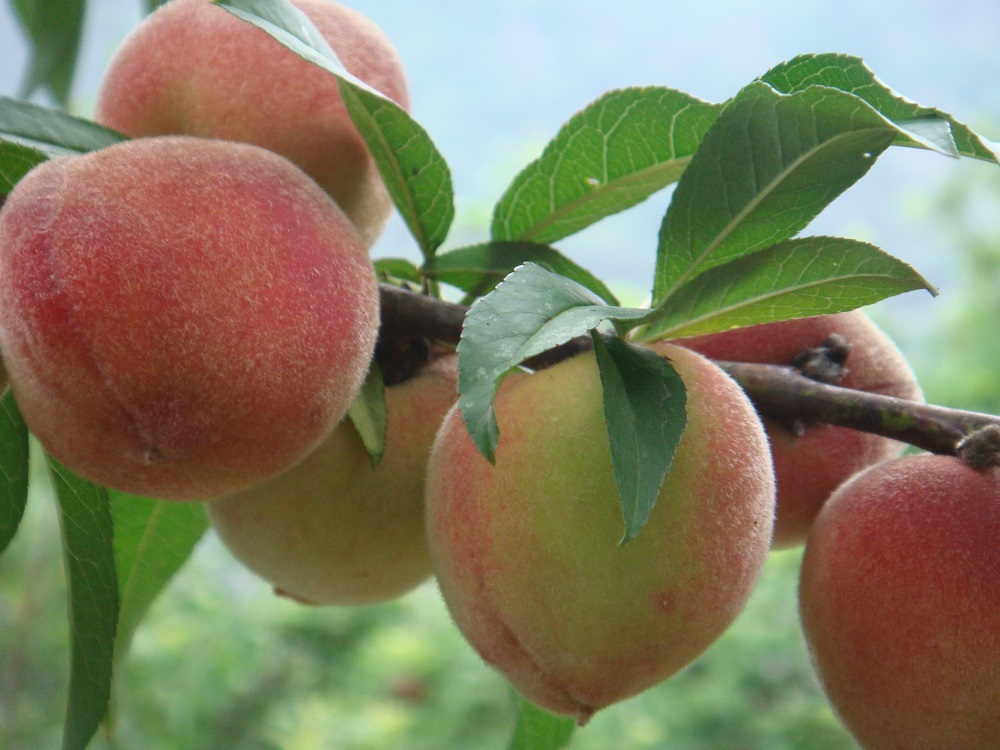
[(811, 462), (899, 601), (191, 68), (527, 551), (333, 530), (179, 317)]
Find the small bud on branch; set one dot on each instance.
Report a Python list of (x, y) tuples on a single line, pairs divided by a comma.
[(981, 449)]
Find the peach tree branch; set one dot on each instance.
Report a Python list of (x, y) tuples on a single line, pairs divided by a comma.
[(776, 390)]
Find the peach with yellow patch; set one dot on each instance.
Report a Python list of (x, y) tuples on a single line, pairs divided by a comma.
[(527, 551), (334, 530)]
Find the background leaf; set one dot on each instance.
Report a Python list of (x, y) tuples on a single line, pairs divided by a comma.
[(529, 312), (13, 469), (477, 269), (850, 74), (537, 729), (50, 131), (368, 414), (30, 134), (618, 151), (152, 540), (397, 269), (645, 411), (793, 279), (768, 165), (54, 27), (415, 173), (85, 514), (16, 161)]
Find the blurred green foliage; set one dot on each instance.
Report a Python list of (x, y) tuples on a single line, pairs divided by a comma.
[(222, 663), (958, 351)]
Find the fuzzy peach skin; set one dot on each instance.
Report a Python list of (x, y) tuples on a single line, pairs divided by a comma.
[(527, 551), (333, 530), (192, 68), (179, 317), (811, 465), (900, 604)]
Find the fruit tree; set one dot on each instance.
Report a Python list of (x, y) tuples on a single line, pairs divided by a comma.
[(194, 326)]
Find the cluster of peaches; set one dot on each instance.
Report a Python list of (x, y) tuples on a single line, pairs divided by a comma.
[(188, 315)]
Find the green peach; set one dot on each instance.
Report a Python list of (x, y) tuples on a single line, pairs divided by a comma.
[(333, 530), (527, 551)]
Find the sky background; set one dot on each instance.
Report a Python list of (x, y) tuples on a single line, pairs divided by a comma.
[(492, 81)]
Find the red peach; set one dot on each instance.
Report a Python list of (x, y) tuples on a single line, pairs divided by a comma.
[(811, 463), (181, 317), (899, 599), (191, 68)]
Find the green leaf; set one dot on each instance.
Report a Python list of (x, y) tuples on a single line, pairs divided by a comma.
[(368, 414), (537, 729), (397, 269), (793, 279), (645, 411), (768, 165), (54, 27), (415, 173), (50, 131), (14, 465), (93, 601), (30, 134), (152, 5), (529, 312), (477, 269), (920, 126), (152, 540), (618, 151), (16, 161)]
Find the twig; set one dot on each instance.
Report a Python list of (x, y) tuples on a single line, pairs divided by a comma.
[(409, 315), (783, 393)]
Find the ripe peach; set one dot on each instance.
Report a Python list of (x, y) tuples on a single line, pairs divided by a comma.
[(181, 317), (811, 463), (527, 551), (899, 600), (333, 530), (191, 68)]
